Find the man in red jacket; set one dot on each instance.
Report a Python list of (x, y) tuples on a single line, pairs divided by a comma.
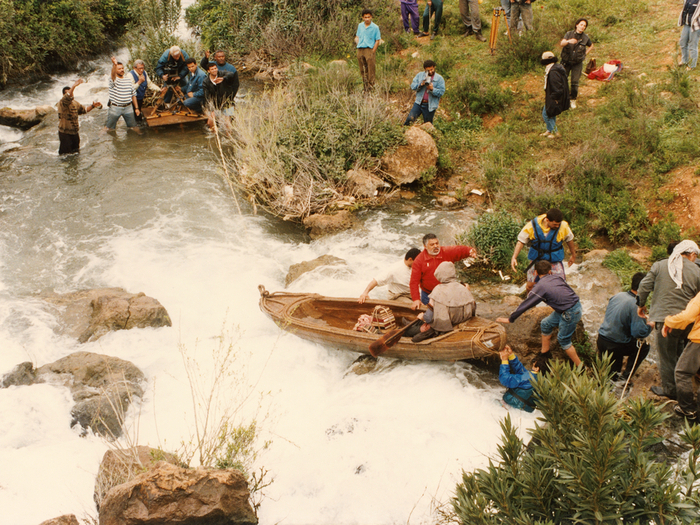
[(423, 271)]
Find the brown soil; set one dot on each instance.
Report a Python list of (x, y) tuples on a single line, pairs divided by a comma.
[(681, 197)]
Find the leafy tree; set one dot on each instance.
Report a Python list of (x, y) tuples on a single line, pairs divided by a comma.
[(588, 462)]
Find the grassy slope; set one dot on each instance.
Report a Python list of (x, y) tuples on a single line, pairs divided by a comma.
[(617, 150)]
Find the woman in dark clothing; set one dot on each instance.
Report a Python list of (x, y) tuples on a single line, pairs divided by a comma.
[(556, 93), (575, 46)]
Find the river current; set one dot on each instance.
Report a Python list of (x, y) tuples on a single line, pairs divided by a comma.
[(150, 213)]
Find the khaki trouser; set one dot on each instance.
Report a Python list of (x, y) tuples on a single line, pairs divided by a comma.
[(469, 12), (366, 59)]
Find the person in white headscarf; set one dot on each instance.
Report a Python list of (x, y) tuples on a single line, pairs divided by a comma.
[(451, 303), (674, 281)]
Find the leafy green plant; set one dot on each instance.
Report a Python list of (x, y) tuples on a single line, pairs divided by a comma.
[(588, 462), (621, 264), (493, 235), (480, 96)]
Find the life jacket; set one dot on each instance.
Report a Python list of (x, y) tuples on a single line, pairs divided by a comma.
[(545, 247), (141, 90)]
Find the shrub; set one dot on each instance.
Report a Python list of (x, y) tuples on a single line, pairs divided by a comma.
[(588, 462), (293, 146), (621, 264), (493, 235), (479, 96), (42, 36)]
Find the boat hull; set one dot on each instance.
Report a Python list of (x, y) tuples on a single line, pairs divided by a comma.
[(329, 321)]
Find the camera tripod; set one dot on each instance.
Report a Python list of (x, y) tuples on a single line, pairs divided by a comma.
[(498, 12)]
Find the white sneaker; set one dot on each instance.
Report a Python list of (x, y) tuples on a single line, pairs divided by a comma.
[(573, 104)]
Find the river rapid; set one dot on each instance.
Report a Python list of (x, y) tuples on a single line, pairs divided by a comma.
[(150, 213)]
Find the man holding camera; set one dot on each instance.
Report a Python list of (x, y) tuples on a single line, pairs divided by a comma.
[(172, 67), (429, 87)]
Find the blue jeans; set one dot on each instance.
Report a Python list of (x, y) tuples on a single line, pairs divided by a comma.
[(194, 104), (416, 111), (424, 297), (505, 4), (550, 122), (566, 322), (115, 112), (429, 10), (689, 46)]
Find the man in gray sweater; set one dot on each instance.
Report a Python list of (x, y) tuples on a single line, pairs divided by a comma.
[(674, 281)]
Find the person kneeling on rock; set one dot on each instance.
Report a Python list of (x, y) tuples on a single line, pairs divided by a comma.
[(518, 380), (451, 303)]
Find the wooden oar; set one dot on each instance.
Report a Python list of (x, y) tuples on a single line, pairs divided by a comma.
[(388, 340)]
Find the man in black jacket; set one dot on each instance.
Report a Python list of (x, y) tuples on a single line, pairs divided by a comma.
[(220, 88), (556, 93)]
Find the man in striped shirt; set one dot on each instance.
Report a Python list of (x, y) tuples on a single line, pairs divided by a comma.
[(122, 97)]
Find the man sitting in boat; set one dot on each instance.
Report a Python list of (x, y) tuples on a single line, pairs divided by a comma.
[(422, 274), (193, 90), (450, 304), (397, 278)]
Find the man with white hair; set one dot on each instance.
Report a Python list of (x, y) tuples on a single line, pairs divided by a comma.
[(171, 67), (143, 83), (674, 281)]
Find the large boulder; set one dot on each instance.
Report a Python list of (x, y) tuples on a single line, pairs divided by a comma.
[(21, 375), (364, 184), (121, 465), (103, 388), (90, 314), (24, 118), (321, 224), (171, 495), (407, 163), (297, 270)]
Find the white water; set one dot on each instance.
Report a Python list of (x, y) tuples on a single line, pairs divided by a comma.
[(151, 214)]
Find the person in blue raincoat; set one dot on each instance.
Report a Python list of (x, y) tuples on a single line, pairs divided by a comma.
[(518, 380), (429, 87)]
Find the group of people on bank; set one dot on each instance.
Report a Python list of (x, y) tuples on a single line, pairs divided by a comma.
[(211, 84), (428, 277)]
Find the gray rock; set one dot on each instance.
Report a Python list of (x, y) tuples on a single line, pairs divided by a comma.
[(297, 270), (407, 163), (321, 224), (24, 118), (22, 374), (67, 519), (364, 184)]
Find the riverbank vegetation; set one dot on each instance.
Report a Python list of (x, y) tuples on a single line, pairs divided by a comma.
[(40, 36), (617, 149), (590, 460)]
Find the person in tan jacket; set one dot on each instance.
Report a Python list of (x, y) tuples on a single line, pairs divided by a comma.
[(689, 361)]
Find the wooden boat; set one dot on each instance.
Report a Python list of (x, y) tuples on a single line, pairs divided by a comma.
[(156, 118), (330, 321)]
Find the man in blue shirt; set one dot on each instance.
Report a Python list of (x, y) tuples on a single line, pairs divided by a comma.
[(429, 87), (193, 91), (367, 39), (623, 332), (220, 59), (553, 290)]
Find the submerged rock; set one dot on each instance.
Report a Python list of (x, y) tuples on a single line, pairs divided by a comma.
[(297, 270), (90, 314), (67, 519), (22, 374), (24, 118), (320, 225), (172, 495)]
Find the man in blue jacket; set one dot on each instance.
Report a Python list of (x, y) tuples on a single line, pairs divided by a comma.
[(623, 332), (518, 380), (429, 87), (220, 59), (171, 67), (193, 90)]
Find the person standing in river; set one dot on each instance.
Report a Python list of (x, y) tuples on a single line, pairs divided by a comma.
[(423, 278), (575, 46), (143, 83), (122, 97), (220, 89), (367, 40), (68, 125)]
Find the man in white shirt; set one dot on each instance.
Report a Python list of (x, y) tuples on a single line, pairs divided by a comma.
[(397, 278)]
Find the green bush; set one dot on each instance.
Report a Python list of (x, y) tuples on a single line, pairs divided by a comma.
[(479, 96), (621, 264), (494, 236), (588, 462), (39, 36)]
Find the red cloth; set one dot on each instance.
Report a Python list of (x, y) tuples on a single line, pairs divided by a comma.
[(601, 74), (423, 270)]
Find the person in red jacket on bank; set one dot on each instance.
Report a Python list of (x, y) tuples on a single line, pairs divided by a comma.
[(423, 271)]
